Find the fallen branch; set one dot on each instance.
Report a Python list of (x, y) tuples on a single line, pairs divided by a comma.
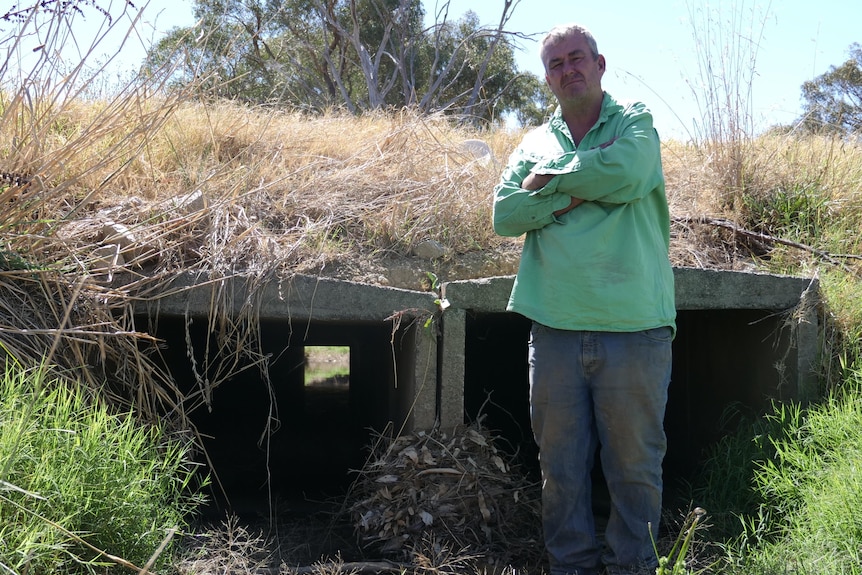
[(735, 228)]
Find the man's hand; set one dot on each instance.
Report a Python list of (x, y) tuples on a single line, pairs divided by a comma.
[(536, 181), (573, 204)]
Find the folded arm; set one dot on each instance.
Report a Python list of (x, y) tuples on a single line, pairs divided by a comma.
[(519, 204), (622, 170)]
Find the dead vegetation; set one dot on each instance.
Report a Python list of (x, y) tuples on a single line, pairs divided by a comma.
[(427, 502), (458, 485)]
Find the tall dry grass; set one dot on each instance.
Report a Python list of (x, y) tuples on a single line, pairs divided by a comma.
[(306, 189), (786, 179), (330, 194)]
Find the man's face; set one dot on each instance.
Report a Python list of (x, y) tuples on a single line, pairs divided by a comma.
[(572, 74)]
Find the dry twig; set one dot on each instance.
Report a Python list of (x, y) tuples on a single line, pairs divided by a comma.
[(459, 487), (736, 229)]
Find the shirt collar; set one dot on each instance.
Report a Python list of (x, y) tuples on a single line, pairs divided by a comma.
[(609, 107)]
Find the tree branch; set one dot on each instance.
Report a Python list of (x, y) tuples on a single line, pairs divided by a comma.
[(736, 229)]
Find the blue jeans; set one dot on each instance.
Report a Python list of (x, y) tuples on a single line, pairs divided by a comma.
[(604, 390)]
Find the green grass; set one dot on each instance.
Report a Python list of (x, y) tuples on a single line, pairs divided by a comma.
[(83, 489), (318, 369), (726, 484), (787, 489), (814, 487), (842, 293)]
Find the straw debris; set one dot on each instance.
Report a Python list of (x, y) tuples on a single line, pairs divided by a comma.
[(459, 487)]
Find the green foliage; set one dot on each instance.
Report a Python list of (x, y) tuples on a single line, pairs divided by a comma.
[(806, 484), (843, 292), (726, 482), (317, 371), (800, 214), (833, 100), (10, 260), (539, 106), (72, 472), (368, 55)]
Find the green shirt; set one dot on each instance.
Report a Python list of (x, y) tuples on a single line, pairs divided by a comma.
[(602, 266)]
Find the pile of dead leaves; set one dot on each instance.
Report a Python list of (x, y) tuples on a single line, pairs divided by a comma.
[(458, 487)]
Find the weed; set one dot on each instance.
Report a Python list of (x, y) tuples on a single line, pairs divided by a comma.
[(83, 487), (797, 502), (674, 563)]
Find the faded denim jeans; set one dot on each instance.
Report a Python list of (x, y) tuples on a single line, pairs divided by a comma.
[(602, 390)]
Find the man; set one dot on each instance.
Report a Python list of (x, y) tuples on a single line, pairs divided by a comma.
[(587, 189)]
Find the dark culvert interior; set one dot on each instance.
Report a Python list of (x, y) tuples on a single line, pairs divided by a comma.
[(724, 363), (283, 443), (724, 360)]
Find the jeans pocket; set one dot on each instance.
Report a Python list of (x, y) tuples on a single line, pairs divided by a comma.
[(662, 334)]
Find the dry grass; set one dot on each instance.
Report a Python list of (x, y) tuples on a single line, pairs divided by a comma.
[(299, 192), (785, 178), (306, 193), (773, 161), (277, 193)]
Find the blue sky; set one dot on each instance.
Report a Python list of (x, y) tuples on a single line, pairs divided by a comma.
[(652, 53)]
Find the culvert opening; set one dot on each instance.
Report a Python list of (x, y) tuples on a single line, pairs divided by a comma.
[(725, 361), (295, 437)]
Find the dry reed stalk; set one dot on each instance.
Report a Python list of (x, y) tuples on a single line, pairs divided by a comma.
[(66, 151)]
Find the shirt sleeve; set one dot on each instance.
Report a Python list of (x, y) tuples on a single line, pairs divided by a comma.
[(624, 171), (516, 210)]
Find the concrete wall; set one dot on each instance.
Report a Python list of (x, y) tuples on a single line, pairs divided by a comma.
[(267, 435), (385, 328), (742, 339)]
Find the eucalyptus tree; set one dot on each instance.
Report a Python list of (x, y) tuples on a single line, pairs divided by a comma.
[(356, 54), (833, 100), (229, 51)]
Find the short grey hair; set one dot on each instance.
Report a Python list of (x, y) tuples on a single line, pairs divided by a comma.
[(563, 31)]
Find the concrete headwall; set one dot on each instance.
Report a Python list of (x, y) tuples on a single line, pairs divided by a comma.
[(743, 339)]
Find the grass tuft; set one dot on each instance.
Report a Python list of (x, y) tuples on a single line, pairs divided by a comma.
[(82, 488), (789, 490)]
